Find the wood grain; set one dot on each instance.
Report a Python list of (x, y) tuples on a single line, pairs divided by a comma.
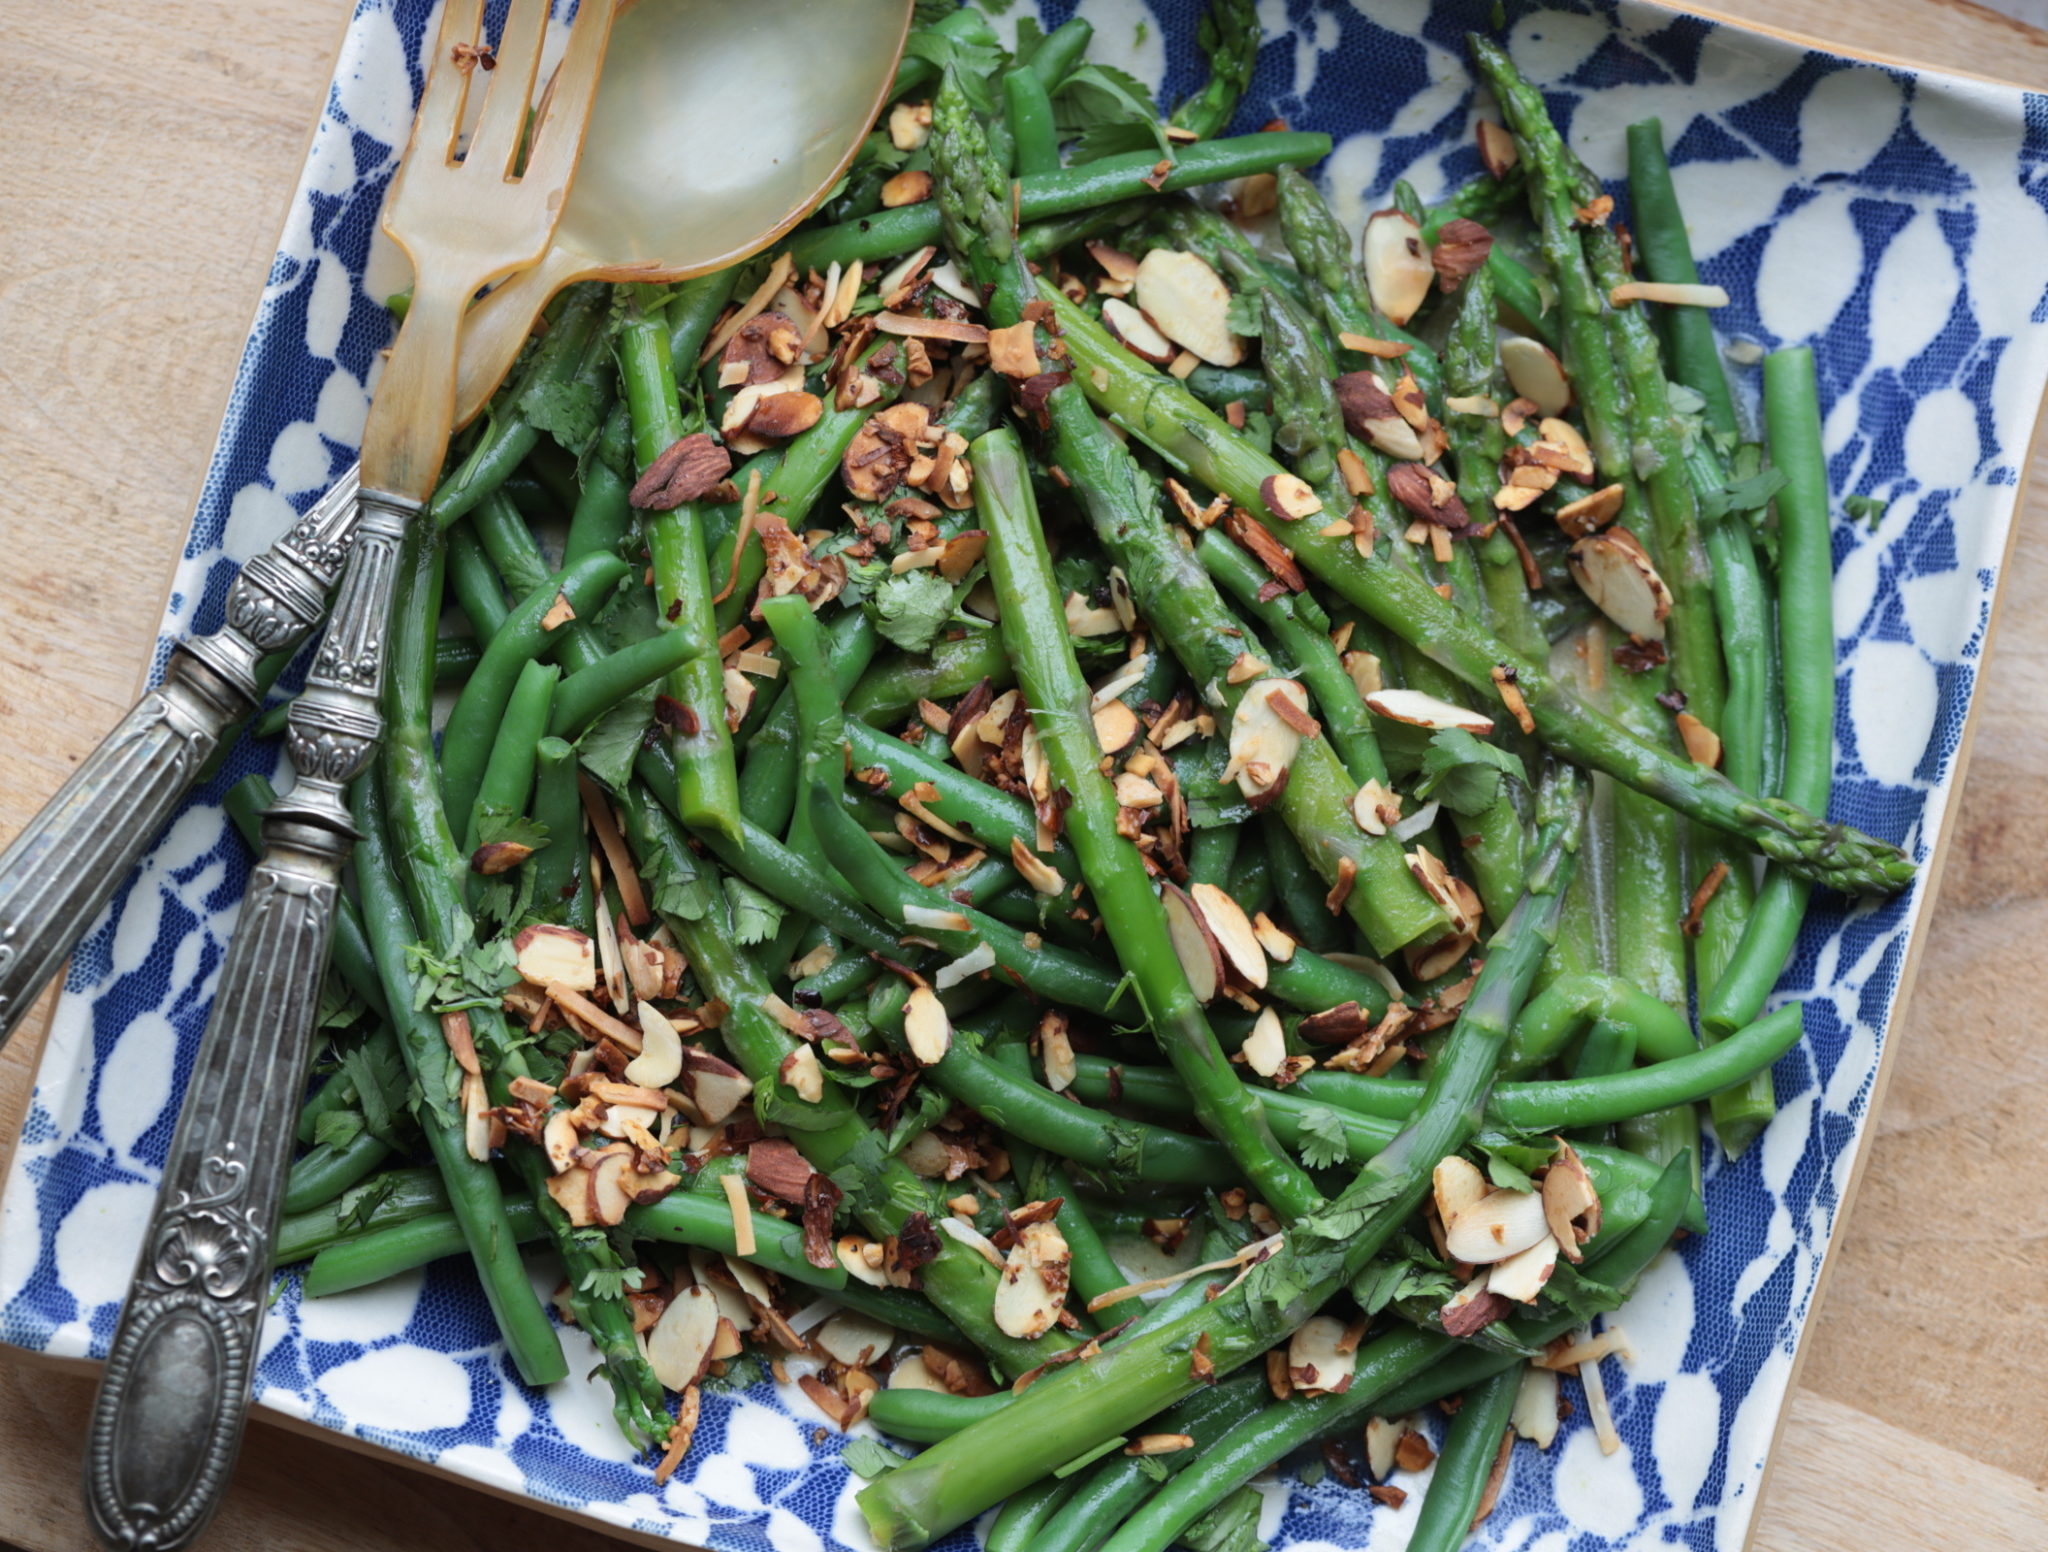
[(126, 286)]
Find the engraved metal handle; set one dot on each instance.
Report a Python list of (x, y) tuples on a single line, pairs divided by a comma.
[(174, 1398), (67, 863)]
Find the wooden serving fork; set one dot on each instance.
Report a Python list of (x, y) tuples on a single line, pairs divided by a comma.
[(174, 1397)]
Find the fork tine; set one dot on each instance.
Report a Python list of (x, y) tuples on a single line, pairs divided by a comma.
[(440, 112), (496, 141), (569, 95)]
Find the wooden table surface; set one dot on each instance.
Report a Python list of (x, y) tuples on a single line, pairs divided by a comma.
[(150, 147)]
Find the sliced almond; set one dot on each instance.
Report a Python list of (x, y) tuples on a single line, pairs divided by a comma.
[(1279, 946), (714, 1088), (610, 1195), (1370, 412), (679, 1346), (1498, 1225), (559, 1140), (1033, 1287), (853, 1339), (1535, 1412), (1397, 268), (1189, 304), (1265, 1048), (862, 1259), (1288, 497), (1263, 742), (1590, 513), (1057, 1051), (1521, 1276), (1364, 669), (801, 1072), (1702, 743), (926, 1028), (1615, 572), (1201, 959), (1460, 904), (912, 186), (1536, 374), (1233, 932), (476, 1118), (1497, 149), (1374, 807), (547, 955), (660, 1061), (1135, 332), (1670, 293), (1456, 1184), (1426, 711), (1041, 875), (1382, 1436), (1571, 1205), (1318, 1360), (1116, 725), (910, 125), (1133, 791), (911, 1373), (1472, 1308)]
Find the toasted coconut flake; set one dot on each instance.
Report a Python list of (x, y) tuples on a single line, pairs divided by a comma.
[(1426, 711), (1041, 875), (1014, 351), (1397, 268), (1233, 932), (1189, 304), (1366, 345), (1201, 957), (1136, 333), (916, 326), (1498, 1225), (660, 1061), (547, 955), (1591, 513), (1671, 294), (742, 1213), (926, 1028), (1265, 1048), (1535, 373), (1615, 572)]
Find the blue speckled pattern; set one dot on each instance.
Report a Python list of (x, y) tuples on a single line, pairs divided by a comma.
[(1896, 221)]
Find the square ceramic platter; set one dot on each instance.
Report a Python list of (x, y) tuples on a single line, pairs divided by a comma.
[(1894, 220)]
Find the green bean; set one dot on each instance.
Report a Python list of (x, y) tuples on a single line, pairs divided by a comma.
[(953, 667), (768, 781), (1664, 247), (474, 582), (396, 1196), (1299, 890), (1229, 33), (1060, 51), (927, 1416), (467, 740), (501, 529), (1029, 107), (996, 819), (1571, 1003), (507, 780), (590, 692), (328, 1170)]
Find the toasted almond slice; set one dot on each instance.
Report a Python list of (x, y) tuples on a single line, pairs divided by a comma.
[(1380, 349), (1456, 1184), (1615, 572), (1397, 268), (1382, 1435), (547, 955), (910, 126), (1161, 1443), (1084, 620), (1014, 351), (801, 1072), (1364, 669), (1702, 743), (1497, 149), (609, 1193), (1426, 711), (1317, 1360), (1233, 932), (1590, 513), (1041, 875), (1201, 959), (1278, 944), (1535, 1411), (1189, 304), (1265, 1048), (679, 1346), (1670, 293), (1571, 1206), (1374, 807), (911, 1374), (926, 1028), (910, 187), (1263, 743), (476, 1118), (1288, 497), (1033, 1287), (1536, 374), (1500, 1224), (1521, 1276), (559, 1140), (853, 1339), (1057, 1051), (660, 1061), (714, 1088), (1116, 726), (1555, 431), (1136, 332), (1136, 792), (862, 1260)]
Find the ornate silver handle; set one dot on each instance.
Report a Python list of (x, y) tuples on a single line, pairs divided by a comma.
[(173, 1400), (73, 855)]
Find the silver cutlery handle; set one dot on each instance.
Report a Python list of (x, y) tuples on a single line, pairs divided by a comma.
[(173, 1400), (72, 856)]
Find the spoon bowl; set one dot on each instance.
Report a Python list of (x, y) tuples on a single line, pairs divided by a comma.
[(715, 131)]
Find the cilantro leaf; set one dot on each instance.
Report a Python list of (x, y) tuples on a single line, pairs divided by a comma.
[(1870, 509), (337, 1128), (755, 917), (910, 609), (1323, 1140), (1463, 772), (1245, 315), (1511, 1160), (868, 1459), (1096, 94), (676, 887), (1752, 494), (610, 1282), (496, 825), (379, 1086), (1212, 802), (1232, 1526), (611, 744), (359, 1204), (1152, 1466)]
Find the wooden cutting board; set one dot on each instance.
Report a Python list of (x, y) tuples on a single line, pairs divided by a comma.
[(150, 153)]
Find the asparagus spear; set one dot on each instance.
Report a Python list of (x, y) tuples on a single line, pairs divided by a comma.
[(1161, 413), (1229, 34)]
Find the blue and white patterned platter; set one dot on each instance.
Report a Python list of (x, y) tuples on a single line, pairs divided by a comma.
[(1897, 221)]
